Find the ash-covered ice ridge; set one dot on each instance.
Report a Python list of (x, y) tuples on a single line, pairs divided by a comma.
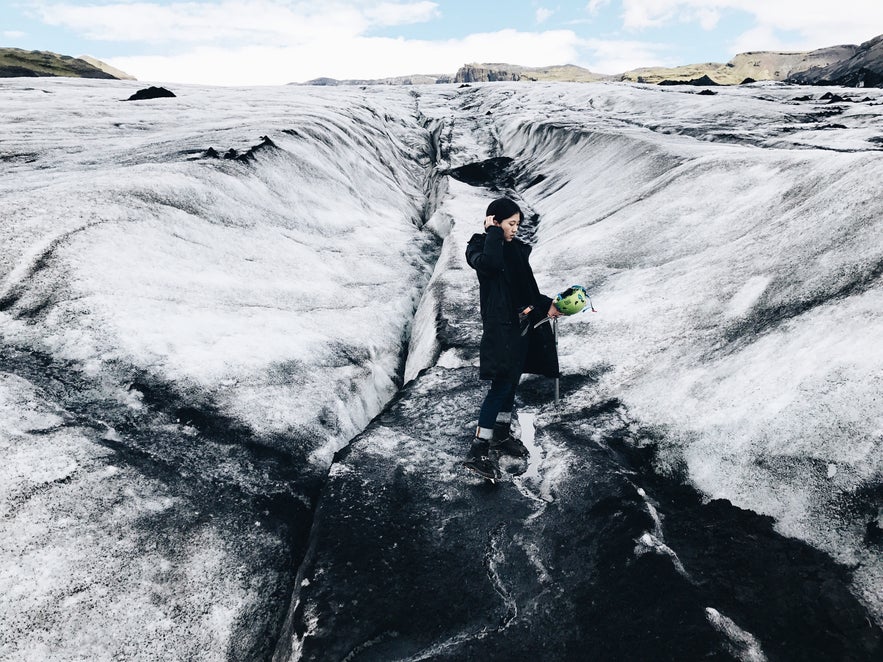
[(206, 333), (738, 286), (189, 343), (620, 533)]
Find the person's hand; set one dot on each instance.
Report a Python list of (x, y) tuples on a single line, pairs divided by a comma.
[(553, 312), (489, 221)]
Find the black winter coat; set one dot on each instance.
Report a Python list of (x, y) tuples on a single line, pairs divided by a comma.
[(499, 315)]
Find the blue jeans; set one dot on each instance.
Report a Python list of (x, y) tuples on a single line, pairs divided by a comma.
[(501, 396)]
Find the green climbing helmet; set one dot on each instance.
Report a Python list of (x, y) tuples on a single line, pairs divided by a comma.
[(572, 300)]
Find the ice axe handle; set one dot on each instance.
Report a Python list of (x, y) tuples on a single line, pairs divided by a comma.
[(555, 333)]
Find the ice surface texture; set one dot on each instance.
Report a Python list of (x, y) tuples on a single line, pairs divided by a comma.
[(740, 281), (187, 340), (216, 329), (671, 210)]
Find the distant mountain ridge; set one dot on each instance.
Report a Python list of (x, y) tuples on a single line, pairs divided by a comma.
[(864, 68), (848, 65), (470, 73), (17, 62), (758, 65), (104, 66), (481, 73), (414, 79)]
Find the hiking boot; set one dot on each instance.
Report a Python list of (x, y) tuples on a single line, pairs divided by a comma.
[(479, 461), (510, 446), (484, 467), (502, 430), (511, 428), (505, 443)]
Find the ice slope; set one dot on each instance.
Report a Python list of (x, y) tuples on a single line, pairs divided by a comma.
[(254, 281), (186, 340), (733, 245), (598, 546)]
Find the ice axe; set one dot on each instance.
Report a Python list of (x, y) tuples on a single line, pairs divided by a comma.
[(557, 380), (571, 301)]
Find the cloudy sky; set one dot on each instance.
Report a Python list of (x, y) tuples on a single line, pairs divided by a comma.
[(270, 42)]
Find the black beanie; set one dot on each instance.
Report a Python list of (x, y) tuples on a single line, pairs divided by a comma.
[(503, 208)]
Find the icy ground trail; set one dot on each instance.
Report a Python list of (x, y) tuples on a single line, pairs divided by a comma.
[(624, 560), (186, 342)]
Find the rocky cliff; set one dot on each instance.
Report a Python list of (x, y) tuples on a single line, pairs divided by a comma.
[(475, 72), (413, 79), (849, 65), (480, 73), (863, 68), (16, 62), (104, 66), (758, 65)]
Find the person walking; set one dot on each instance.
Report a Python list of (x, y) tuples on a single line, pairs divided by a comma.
[(511, 305)]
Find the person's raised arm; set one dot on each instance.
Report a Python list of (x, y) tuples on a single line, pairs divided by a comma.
[(487, 258)]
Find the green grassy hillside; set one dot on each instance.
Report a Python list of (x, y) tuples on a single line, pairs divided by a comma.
[(15, 62)]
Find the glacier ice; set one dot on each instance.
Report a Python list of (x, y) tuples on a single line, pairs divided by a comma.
[(731, 244)]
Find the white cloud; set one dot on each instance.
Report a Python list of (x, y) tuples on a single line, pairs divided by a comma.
[(359, 57), (264, 22), (543, 14), (708, 18), (595, 6), (812, 23), (764, 38), (390, 13), (279, 41), (14, 34), (617, 56), (640, 14)]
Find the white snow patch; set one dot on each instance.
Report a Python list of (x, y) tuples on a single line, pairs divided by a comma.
[(527, 420), (111, 435), (650, 543), (747, 296), (657, 522), (23, 409), (549, 465), (743, 645), (451, 359)]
